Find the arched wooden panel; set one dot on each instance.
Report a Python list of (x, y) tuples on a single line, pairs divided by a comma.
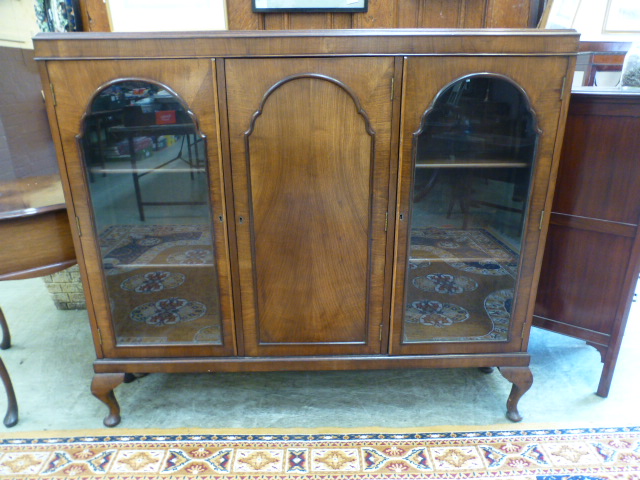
[(309, 287)]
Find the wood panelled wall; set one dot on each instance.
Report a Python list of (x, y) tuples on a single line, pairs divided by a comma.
[(396, 14)]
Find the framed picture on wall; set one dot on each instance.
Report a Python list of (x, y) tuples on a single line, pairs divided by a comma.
[(345, 6), (622, 16)]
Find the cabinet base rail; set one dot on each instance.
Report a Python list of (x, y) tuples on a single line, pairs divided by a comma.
[(111, 373)]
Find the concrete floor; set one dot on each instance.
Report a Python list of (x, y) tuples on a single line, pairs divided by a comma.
[(51, 366)]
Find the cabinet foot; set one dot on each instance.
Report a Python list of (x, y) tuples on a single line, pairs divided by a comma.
[(102, 388), (132, 377), (522, 379)]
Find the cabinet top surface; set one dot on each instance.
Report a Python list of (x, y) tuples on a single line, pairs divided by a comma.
[(306, 43)]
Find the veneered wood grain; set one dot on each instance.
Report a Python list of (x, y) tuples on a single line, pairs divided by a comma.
[(341, 20), (240, 16), (75, 83), (594, 224), (591, 263), (33, 243), (310, 164), (305, 43), (590, 186), (473, 13), (315, 363), (316, 200), (508, 14), (308, 21), (276, 21), (397, 14), (430, 14), (582, 276), (381, 14), (424, 78), (34, 230), (95, 16)]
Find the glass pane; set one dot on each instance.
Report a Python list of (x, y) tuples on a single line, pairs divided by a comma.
[(147, 170), (473, 159)]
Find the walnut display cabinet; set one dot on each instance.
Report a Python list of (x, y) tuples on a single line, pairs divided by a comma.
[(318, 200)]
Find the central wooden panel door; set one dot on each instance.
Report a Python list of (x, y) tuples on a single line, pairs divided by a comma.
[(310, 153)]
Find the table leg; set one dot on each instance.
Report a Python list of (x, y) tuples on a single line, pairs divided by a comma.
[(6, 335), (11, 418)]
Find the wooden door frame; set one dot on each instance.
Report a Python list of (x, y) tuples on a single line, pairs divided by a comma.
[(85, 236), (542, 183)]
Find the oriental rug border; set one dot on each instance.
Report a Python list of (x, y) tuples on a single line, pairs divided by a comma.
[(538, 454)]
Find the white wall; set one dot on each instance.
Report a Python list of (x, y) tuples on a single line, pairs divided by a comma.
[(588, 18), (167, 15), (17, 23)]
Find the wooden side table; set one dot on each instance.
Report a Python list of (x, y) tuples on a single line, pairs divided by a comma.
[(36, 240), (592, 256)]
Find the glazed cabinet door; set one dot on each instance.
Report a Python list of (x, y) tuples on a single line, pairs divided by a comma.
[(310, 154), (140, 143), (476, 161)]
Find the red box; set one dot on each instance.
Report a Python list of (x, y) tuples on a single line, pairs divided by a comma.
[(165, 117)]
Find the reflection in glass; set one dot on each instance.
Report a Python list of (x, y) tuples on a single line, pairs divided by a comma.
[(473, 160), (147, 170)]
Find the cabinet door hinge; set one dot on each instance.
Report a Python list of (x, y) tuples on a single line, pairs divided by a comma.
[(564, 85), (393, 88), (541, 220), (53, 94), (386, 221), (78, 227), (524, 330), (99, 335), (380, 336)]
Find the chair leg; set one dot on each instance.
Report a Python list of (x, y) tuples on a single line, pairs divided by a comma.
[(11, 418), (6, 335)]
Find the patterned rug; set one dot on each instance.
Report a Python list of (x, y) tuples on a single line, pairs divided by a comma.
[(162, 283), (460, 286), (542, 454)]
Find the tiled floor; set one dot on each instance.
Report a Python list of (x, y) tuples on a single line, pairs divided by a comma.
[(51, 366)]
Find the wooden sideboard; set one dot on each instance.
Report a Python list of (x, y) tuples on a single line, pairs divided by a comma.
[(333, 199), (592, 258)]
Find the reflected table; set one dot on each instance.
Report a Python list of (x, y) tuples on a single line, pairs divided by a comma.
[(36, 240), (187, 130)]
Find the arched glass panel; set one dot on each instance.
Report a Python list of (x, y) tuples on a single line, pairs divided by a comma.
[(473, 161), (147, 169)]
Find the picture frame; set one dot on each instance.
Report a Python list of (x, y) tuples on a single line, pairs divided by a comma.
[(622, 16), (310, 6), (559, 14)]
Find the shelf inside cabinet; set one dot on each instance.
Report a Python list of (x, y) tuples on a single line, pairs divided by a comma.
[(472, 163), (143, 171)]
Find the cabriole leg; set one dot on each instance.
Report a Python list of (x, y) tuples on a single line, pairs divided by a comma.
[(6, 335), (11, 418), (102, 388), (522, 379)]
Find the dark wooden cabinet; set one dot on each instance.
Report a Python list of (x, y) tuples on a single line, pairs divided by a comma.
[(591, 261), (309, 200)]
